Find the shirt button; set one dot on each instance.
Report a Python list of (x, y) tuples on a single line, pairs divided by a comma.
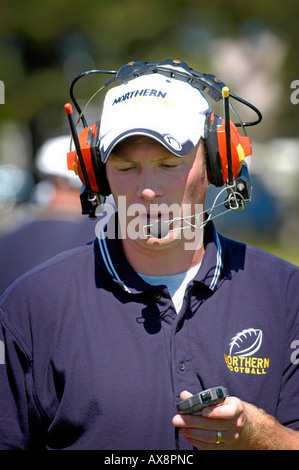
[(157, 295), (182, 366)]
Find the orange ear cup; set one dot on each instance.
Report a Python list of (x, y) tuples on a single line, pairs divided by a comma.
[(85, 140), (240, 148), (215, 141)]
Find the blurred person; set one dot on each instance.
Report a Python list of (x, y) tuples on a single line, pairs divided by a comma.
[(103, 341), (51, 219)]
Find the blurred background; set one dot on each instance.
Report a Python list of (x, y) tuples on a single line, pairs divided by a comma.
[(252, 46)]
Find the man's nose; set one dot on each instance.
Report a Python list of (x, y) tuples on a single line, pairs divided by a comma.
[(148, 187)]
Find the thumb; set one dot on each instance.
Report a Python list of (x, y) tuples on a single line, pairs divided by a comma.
[(185, 394)]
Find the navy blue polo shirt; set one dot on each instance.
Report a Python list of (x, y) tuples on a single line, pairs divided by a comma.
[(96, 358)]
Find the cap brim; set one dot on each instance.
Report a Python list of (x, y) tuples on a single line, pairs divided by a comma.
[(168, 141)]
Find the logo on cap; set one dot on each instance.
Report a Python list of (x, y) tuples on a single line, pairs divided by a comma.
[(172, 142)]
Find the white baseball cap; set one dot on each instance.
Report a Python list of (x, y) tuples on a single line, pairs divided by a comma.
[(168, 110), (50, 160)]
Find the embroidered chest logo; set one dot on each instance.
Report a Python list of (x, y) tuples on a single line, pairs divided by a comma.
[(243, 357)]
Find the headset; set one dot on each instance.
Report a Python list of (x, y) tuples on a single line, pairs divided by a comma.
[(225, 146)]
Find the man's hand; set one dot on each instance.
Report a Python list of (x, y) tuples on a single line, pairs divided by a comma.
[(237, 425)]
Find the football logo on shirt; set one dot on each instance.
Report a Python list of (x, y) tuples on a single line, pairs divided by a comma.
[(243, 357)]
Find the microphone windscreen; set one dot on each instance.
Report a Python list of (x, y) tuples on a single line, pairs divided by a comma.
[(159, 229)]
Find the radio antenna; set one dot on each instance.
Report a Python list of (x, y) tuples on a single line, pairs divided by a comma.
[(225, 95)]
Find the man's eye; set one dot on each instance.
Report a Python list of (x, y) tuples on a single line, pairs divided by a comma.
[(125, 168), (170, 165)]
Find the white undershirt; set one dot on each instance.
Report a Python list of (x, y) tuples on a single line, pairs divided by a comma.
[(176, 284)]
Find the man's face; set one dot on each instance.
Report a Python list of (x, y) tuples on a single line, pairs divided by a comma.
[(155, 184)]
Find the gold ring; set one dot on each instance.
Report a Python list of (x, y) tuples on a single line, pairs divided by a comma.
[(219, 437)]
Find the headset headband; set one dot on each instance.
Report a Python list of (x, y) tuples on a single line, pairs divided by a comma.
[(172, 69)]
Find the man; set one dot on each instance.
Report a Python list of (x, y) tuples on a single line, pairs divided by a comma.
[(102, 342)]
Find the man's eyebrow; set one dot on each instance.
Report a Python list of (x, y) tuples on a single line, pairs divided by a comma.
[(119, 156)]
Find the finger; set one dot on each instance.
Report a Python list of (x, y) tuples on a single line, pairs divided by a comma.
[(211, 440), (198, 422), (185, 394), (208, 439), (229, 409), (207, 436)]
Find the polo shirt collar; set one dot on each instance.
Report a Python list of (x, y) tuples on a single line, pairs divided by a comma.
[(211, 267), (110, 256)]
